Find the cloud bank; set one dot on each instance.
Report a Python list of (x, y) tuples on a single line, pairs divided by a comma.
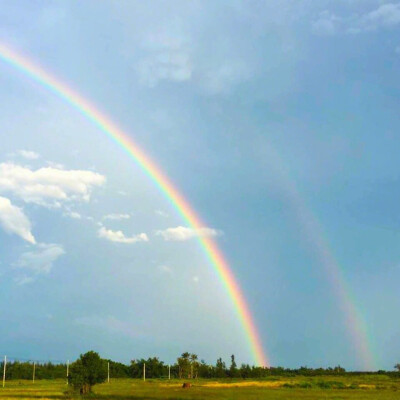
[(48, 186)]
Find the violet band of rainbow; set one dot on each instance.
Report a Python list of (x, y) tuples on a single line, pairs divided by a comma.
[(170, 192)]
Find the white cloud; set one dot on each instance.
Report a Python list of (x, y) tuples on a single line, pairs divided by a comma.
[(41, 259), (13, 220), (116, 217), (326, 24), (181, 233), (196, 279), (29, 155), (23, 280), (385, 16), (72, 214), (119, 236), (48, 186), (56, 165)]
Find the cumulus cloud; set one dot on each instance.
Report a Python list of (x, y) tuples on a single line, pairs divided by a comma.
[(181, 233), (40, 260), (116, 217), (119, 236), (29, 155), (14, 221), (48, 186)]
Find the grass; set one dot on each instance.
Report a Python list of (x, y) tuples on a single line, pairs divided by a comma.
[(348, 387)]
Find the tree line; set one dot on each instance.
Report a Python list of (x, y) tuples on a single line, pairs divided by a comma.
[(187, 366)]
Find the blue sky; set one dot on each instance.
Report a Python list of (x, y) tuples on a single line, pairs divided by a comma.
[(270, 119)]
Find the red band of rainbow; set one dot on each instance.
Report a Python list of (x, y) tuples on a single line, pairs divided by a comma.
[(183, 208)]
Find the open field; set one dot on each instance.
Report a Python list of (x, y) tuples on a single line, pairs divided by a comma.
[(357, 387)]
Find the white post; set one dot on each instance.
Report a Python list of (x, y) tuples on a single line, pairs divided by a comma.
[(169, 371), (144, 371), (108, 372), (34, 368), (67, 371), (4, 371)]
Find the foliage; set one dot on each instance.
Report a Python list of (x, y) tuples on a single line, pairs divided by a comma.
[(233, 371), (24, 370), (154, 368), (88, 370), (186, 367)]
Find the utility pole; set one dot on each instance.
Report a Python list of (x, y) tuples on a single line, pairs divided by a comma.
[(144, 371), (169, 371), (4, 371), (67, 372), (108, 372), (34, 368)]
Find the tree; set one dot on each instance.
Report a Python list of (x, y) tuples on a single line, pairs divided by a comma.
[(194, 366), (88, 370), (397, 366), (184, 365), (220, 369), (233, 371)]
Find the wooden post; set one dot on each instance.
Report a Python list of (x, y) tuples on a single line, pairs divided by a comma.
[(144, 371), (108, 372), (169, 371), (67, 372), (34, 368), (4, 371)]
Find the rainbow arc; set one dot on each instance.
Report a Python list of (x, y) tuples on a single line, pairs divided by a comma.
[(164, 184)]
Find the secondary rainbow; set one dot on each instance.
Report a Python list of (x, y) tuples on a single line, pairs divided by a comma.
[(312, 231), (211, 250)]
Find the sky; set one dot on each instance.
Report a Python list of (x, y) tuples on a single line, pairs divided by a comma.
[(278, 124)]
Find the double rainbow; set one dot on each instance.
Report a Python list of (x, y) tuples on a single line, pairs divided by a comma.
[(171, 193)]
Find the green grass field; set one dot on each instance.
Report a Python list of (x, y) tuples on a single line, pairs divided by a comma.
[(360, 387)]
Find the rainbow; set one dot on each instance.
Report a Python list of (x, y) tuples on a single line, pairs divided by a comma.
[(345, 299), (171, 193)]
